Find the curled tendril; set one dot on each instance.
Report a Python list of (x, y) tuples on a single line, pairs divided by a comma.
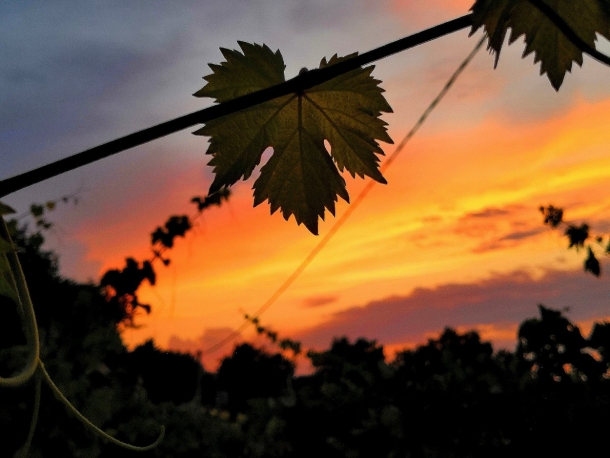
[(34, 365)]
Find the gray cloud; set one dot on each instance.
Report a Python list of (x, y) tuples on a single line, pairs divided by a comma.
[(492, 212), (508, 240), (506, 299)]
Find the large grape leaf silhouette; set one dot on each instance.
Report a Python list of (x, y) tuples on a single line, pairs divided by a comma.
[(302, 178), (554, 50)]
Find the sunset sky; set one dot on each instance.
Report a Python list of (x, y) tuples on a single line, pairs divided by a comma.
[(454, 239)]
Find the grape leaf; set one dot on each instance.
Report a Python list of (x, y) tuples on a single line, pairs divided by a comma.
[(550, 46), (301, 178), (5, 209), (591, 263), (577, 235)]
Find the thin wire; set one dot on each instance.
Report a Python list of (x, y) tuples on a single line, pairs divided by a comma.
[(341, 220)]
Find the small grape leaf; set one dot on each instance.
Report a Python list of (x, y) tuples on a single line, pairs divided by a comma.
[(175, 226), (577, 235), (300, 178), (550, 46), (553, 216), (5, 209), (591, 263), (36, 210)]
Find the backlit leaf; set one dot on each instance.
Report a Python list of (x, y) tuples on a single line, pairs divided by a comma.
[(302, 177), (550, 46)]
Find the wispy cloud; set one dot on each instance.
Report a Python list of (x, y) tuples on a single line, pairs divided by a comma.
[(319, 301)]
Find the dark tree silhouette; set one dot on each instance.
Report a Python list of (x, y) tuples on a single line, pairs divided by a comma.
[(554, 350), (252, 373), (166, 376)]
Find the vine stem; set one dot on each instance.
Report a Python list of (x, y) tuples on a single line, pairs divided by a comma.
[(61, 398), (299, 83), (26, 309), (34, 366), (34, 420)]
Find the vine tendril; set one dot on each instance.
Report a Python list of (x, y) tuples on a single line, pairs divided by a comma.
[(85, 421), (34, 366), (28, 442), (26, 309)]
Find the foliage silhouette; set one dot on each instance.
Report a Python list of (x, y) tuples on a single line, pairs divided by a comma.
[(553, 348), (250, 373), (453, 396), (121, 286), (578, 236), (166, 376)]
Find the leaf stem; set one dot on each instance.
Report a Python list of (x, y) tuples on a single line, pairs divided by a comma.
[(297, 84)]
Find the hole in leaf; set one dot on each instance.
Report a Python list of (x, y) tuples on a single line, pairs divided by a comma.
[(327, 146)]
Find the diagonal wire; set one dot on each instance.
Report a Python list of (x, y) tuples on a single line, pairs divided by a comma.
[(341, 220)]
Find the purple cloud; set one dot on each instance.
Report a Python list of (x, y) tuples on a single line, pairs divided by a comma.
[(502, 299)]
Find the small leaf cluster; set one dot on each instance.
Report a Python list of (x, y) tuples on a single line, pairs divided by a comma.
[(176, 226), (577, 236), (283, 344), (121, 285), (38, 211)]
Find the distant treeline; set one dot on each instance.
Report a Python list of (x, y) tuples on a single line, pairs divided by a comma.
[(452, 397)]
